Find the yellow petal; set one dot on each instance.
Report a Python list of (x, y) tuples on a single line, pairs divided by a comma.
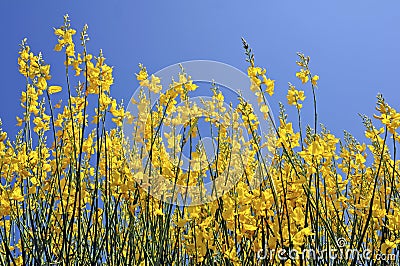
[(54, 89), (249, 227), (159, 212), (307, 231)]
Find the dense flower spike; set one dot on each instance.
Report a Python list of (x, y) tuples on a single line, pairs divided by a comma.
[(294, 96), (75, 193)]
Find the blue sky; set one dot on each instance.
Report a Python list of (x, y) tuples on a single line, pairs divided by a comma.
[(354, 46)]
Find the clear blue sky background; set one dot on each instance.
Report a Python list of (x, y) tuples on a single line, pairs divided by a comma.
[(354, 46)]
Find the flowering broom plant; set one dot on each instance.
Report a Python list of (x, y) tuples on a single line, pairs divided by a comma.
[(77, 188)]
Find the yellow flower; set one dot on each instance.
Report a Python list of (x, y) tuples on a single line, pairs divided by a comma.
[(16, 195), (19, 121), (255, 71), (159, 212), (294, 96), (64, 34), (298, 216), (40, 124), (182, 222), (303, 75), (264, 109), (249, 227), (54, 89), (314, 80), (270, 85), (315, 148), (3, 136), (142, 74), (154, 85)]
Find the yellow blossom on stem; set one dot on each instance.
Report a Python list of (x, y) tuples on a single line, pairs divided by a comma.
[(303, 75), (54, 89), (314, 80), (295, 96)]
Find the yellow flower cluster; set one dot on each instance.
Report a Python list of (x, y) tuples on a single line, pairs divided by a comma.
[(294, 96)]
